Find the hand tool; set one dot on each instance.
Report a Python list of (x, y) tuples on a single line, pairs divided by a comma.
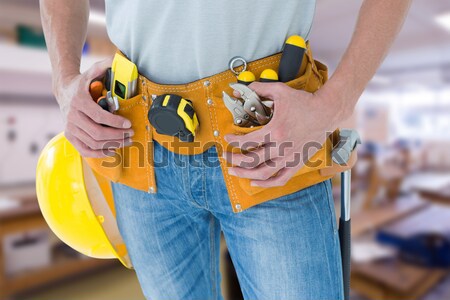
[(291, 58), (108, 79), (246, 77), (340, 154), (124, 75), (268, 75), (103, 103), (252, 102), (95, 89), (250, 110), (236, 107), (175, 116), (113, 102)]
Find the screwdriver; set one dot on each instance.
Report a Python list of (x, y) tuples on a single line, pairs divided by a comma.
[(291, 58), (246, 77), (96, 89), (268, 75)]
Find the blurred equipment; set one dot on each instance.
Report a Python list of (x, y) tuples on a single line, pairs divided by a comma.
[(26, 251), (340, 154), (291, 58), (124, 75), (77, 204), (268, 75), (175, 116), (30, 36), (419, 240), (251, 110)]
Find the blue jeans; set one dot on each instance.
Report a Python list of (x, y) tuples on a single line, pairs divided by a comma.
[(287, 248)]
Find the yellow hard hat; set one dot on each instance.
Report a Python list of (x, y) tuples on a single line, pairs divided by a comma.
[(77, 203)]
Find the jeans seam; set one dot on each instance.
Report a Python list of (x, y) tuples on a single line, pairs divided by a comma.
[(213, 258), (330, 276), (204, 187), (335, 240)]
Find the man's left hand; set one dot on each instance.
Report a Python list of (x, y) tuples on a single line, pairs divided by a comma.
[(299, 126)]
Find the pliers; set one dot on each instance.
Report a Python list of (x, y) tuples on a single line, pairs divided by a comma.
[(249, 111)]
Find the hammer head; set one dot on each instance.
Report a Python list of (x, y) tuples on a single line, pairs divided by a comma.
[(349, 139)]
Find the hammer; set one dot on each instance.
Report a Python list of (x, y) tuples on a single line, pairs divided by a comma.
[(340, 154)]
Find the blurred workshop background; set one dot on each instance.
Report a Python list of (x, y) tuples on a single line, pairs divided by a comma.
[(401, 183)]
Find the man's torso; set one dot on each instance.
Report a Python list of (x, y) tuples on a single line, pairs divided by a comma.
[(175, 42)]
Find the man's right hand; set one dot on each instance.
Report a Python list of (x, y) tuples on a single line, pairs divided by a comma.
[(93, 131)]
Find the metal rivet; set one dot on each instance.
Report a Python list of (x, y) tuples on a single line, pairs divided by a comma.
[(154, 97), (143, 81), (209, 101), (144, 97), (151, 190), (147, 127), (237, 206), (216, 132), (207, 83)]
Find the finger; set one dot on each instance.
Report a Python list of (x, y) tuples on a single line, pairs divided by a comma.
[(268, 90), (255, 157), (84, 150), (97, 131), (250, 140), (261, 172), (98, 70), (281, 178), (98, 145), (101, 116)]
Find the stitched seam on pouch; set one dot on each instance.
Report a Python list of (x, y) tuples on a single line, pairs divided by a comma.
[(146, 151), (126, 108), (233, 197)]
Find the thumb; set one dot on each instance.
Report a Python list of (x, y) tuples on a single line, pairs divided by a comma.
[(98, 69)]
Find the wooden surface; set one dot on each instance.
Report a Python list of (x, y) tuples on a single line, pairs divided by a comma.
[(392, 278), (433, 218), (369, 287), (441, 196), (368, 220), (432, 186)]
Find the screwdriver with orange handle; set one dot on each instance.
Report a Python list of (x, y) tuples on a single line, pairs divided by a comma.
[(96, 89)]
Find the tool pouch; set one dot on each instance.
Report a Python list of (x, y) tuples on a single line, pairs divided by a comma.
[(320, 166), (133, 165)]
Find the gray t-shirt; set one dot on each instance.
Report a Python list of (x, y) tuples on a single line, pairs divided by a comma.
[(180, 41)]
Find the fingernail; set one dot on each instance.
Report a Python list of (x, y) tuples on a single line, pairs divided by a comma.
[(127, 124), (236, 94), (231, 172), (129, 134)]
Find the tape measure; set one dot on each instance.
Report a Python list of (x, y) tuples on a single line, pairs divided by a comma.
[(175, 116)]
